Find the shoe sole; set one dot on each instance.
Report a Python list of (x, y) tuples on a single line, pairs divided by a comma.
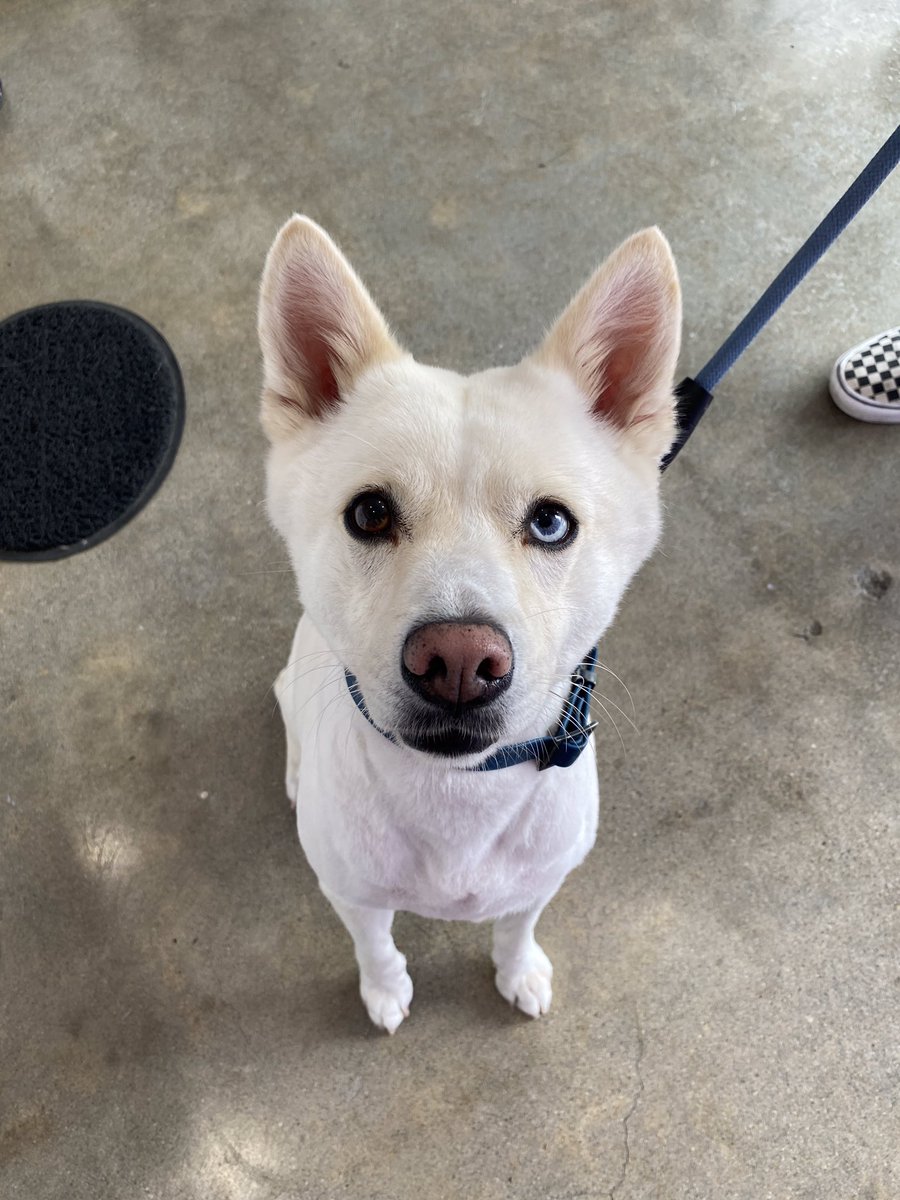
[(857, 406)]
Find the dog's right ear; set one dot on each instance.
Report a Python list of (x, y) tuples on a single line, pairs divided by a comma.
[(319, 328)]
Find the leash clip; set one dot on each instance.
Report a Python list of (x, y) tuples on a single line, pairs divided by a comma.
[(563, 747), (567, 748)]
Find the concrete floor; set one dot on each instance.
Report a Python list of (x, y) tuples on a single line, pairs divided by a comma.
[(180, 1016)]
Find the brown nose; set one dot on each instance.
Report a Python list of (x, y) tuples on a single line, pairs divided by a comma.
[(453, 663)]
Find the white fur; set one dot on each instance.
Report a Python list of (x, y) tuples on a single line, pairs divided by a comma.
[(584, 420)]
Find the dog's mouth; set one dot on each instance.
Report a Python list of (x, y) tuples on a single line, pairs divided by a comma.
[(450, 735), (448, 742)]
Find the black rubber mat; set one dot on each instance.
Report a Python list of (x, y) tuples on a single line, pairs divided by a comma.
[(91, 414)]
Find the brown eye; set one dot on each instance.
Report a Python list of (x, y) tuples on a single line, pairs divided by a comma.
[(370, 516)]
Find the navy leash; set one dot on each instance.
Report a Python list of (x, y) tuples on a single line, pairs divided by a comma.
[(695, 395)]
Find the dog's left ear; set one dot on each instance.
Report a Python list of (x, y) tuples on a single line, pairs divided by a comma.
[(319, 329), (619, 339)]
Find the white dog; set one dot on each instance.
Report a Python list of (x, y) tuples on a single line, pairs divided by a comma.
[(460, 544)]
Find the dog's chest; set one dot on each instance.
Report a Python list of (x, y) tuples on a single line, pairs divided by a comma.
[(470, 851)]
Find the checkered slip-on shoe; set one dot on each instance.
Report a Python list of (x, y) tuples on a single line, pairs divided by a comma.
[(865, 382)]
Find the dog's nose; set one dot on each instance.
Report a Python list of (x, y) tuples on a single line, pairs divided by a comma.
[(458, 664)]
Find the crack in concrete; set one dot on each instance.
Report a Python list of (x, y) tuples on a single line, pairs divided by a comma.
[(634, 1103), (258, 1175)]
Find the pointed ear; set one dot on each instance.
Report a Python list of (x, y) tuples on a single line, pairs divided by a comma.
[(319, 328), (619, 339)]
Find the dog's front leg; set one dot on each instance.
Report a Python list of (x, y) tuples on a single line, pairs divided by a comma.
[(524, 971), (292, 764), (384, 984)]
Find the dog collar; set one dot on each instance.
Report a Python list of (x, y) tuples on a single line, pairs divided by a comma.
[(557, 749)]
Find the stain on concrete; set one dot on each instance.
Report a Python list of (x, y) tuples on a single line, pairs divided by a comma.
[(873, 582), (24, 1133), (445, 213)]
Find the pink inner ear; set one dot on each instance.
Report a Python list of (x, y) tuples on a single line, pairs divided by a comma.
[(309, 334), (614, 393), (622, 351), (314, 366)]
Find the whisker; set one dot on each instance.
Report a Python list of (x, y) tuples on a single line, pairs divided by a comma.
[(327, 682), (365, 441), (365, 466), (266, 571), (610, 718), (599, 697), (301, 657), (606, 713), (289, 683), (575, 728), (324, 710), (603, 667), (293, 662), (543, 612)]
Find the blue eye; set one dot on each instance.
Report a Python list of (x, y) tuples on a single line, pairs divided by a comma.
[(550, 525)]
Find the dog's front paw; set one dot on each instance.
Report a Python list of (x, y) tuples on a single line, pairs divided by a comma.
[(387, 998), (525, 982)]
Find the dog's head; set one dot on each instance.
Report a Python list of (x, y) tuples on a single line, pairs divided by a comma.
[(461, 542)]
